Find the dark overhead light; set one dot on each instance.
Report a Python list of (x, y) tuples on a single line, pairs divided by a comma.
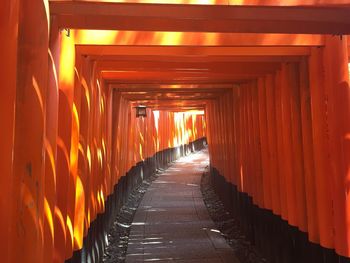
[(141, 111)]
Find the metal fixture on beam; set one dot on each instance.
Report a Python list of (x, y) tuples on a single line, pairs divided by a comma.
[(141, 111)]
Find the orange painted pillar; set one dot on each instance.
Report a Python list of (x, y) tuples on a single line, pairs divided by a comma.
[(257, 159), (93, 202), (244, 148), (279, 137), (222, 140), (76, 203), (73, 163), (217, 137), (272, 143), (29, 168), (225, 139), (115, 135), (230, 131), (8, 78), (297, 150), (264, 144), (208, 129), (84, 156), (50, 145), (108, 139), (66, 94), (247, 150), (335, 63), (308, 156), (321, 149), (86, 129), (252, 146), (250, 161), (240, 141), (216, 130), (254, 106), (214, 133), (287, 145), (236, 140)]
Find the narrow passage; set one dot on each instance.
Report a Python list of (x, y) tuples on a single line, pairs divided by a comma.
[(172, 222)]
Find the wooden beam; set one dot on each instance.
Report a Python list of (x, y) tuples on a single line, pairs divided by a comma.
[(202, 68), (191, 51), (170, 88), (142, 38), (160, 77), (202, 18), (198, 59)]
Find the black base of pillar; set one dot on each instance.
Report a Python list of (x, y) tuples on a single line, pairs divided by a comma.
[(278, 241)]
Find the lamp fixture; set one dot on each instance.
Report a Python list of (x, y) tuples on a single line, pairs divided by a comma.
[(141, 111)]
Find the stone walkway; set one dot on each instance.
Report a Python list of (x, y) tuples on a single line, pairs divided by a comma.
[(172, 222)]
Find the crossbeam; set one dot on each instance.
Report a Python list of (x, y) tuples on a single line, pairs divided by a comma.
[(202, 18)]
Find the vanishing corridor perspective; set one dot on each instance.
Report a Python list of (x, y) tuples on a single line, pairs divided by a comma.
[(172, 222), (97, 95)]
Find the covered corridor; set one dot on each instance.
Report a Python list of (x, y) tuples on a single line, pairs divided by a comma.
[(172, 222), (264, 82)]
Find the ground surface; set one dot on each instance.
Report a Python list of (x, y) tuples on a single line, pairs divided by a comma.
[(228, 226), (172, 222)]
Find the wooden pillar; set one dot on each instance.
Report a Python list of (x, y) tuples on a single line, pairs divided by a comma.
[(335, 61), (321, 148), (297, 146), (280, 154), (29, 164), (308, 155), (252, 146), (240, 140), (264, 144), (287, 146), (245, 141), (62, 223), (257, 159), (9, 10), (76, 203), (230, 131), (50, 143), (234, 110), (272, 142)]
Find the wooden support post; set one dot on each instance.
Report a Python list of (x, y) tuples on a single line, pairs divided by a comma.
[(50, 144), (297, 146), (335, 62), (287, 146), (29, 166), (63, 224), (280, 154), (308, 154), (8, 78), (272, 142), (264, 144), (321, 148)]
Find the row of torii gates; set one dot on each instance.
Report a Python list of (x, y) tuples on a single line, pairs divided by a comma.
[(266, 82)]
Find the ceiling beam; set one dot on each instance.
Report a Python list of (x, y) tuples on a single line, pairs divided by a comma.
[(142, 38), (191, 51), (189, 67), (160, 77), (202, 18), (170, 88), (197, 59)]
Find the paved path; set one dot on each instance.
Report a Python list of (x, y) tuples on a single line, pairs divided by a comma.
[(172, 222)]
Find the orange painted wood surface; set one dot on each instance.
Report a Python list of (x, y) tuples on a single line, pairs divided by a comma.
[(274, 108), (8, 78)]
